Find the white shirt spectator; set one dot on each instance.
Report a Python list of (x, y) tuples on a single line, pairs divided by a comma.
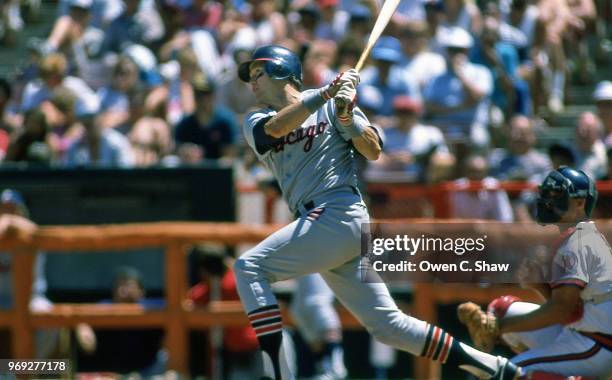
[(115, 151), (423, 67), (594, 163), (489, 203), (102, 11), (36, 92)]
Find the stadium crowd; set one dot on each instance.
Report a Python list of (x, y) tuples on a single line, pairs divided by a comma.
[(458, 87)]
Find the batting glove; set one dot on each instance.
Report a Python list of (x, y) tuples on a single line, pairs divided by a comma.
[(344, 78), (345, 102)]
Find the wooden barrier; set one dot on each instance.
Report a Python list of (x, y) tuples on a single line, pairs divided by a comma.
[(176, 318)]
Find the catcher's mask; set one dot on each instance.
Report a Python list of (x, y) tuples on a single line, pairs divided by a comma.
[(557, 189)]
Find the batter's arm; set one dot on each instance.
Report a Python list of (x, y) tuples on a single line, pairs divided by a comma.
[(368, 144), (289, 117)]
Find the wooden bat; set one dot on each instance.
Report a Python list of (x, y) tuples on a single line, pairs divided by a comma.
[(384, 16)]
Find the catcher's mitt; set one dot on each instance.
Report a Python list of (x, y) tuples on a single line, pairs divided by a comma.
[(483, 327)]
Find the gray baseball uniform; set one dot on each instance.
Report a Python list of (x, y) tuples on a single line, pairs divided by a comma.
[(315, 169), (314, 165)]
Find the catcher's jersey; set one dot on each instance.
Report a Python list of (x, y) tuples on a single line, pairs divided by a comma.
[(310, 160), (584, 259)]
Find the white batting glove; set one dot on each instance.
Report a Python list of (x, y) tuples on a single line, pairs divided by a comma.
[(351, 76), (344, 78), (345, 102)]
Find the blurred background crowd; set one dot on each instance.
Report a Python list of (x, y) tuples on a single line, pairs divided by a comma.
[(462, 89)]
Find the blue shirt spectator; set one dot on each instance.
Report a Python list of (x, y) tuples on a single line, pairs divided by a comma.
[(386, 74), (211, 128), (457, 101)]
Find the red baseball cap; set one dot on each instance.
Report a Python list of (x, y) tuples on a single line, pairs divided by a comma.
[(406, 104), (327, 3)]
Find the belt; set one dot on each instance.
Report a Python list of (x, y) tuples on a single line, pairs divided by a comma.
[(601, 338), (309, 205)]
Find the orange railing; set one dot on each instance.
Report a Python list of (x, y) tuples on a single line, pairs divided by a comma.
[(176, 319)]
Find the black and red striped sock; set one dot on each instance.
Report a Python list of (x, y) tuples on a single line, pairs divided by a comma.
[(268, 326), (441, 346), (438, 344)]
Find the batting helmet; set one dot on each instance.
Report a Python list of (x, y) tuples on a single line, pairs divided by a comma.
[(558, 187), (280, 63)]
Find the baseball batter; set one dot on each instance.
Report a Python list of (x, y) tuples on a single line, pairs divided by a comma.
[(571, 333), (310, 145)]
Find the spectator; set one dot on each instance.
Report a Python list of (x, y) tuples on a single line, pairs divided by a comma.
[(507, 33), (555, 19), (11, 22), (240, 346), (419, 64), (201, 41), (488, 203), (457, 101), (5, 127), (409, 145), (234, 94), (561, 155), (6, 93), (520, 161), (270, 25), (603, 101), (76, 36), (135, 25), (52, 71), (203, 14), (360, 23), (591, 151), (102, 13), (462, 14), (333, 21), (386, 75), (114, 99), (64, 128), (510, 93), (30, 143), (149, 135), (317, 63), (127, 350), (99, 146), (210, 131), (604, 204)]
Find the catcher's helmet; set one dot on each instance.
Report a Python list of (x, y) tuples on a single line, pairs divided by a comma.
[(280, 63), (558, 187)]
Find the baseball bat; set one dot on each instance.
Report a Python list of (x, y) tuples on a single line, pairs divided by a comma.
[(384, 16)]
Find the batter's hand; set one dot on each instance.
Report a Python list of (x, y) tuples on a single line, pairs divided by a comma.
[(345, 102), (351, 76), (331, 90)]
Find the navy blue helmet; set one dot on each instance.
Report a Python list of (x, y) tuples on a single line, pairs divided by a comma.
[(558, 187), (280, 63)]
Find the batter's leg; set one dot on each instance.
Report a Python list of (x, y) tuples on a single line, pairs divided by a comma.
[(313, 309), (293, 251), (372, 304)]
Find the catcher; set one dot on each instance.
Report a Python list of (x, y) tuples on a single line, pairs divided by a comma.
[(571, 333)]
